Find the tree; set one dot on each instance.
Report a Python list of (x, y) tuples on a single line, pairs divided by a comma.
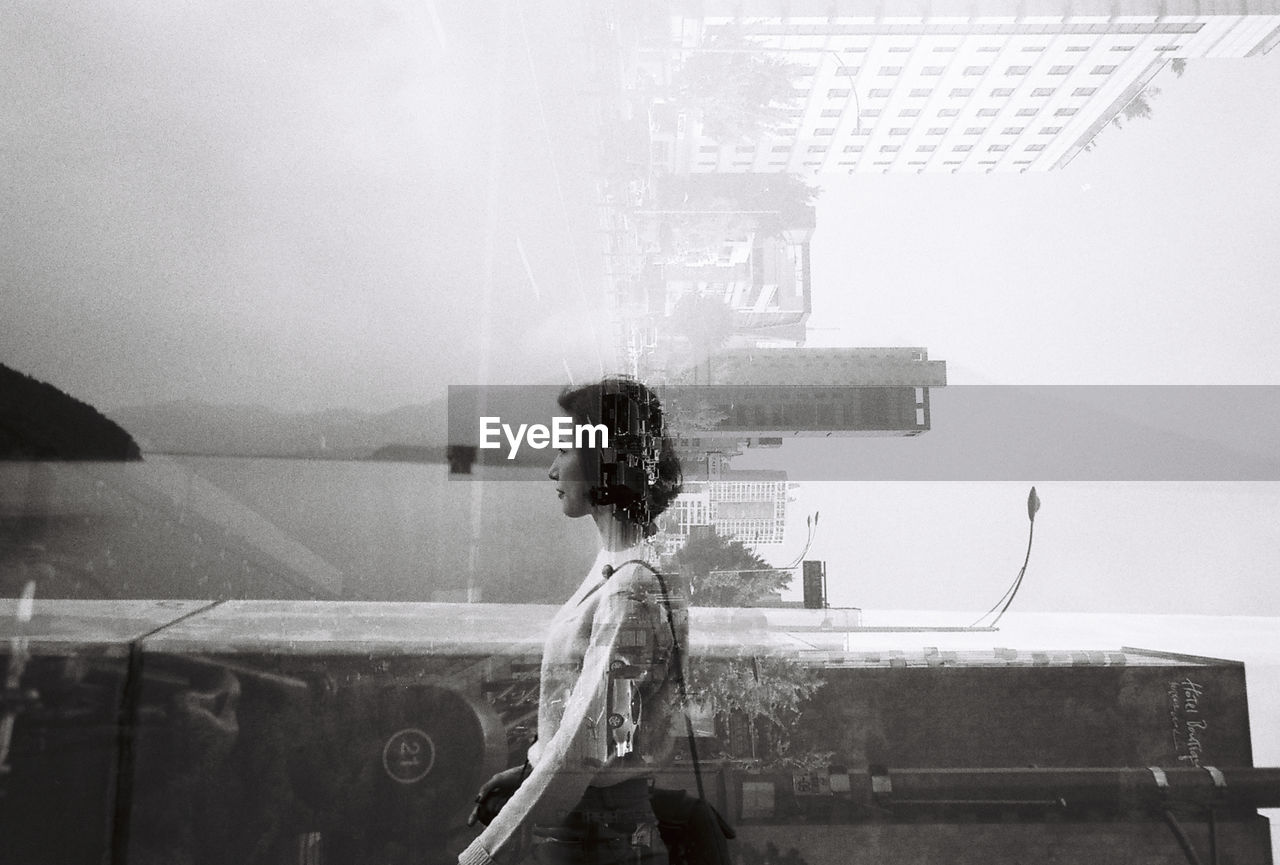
[(1140, 105), (775, 202), (768, 690), (740, 90), (724, 573)]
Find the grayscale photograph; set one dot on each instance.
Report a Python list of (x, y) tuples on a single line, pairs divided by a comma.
[(662, 432)]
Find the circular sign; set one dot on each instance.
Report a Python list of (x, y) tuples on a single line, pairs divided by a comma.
[(408, 756)]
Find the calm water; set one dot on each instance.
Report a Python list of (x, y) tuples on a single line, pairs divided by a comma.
[(229, 527)]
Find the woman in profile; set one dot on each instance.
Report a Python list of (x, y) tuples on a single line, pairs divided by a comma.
[(608, 686)]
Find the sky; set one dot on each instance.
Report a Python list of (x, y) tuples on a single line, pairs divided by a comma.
[(353, 205), (1149, 260), (339, 205), (300, 205)]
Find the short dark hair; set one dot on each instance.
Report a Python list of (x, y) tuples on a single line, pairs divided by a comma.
[(585, 405)]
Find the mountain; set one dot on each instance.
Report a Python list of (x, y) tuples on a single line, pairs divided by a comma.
[(189, 427), (40, 422)]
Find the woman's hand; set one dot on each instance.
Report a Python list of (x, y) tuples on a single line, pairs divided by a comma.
[(494, 793)]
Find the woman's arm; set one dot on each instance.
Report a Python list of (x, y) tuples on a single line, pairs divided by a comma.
[(582, 742)]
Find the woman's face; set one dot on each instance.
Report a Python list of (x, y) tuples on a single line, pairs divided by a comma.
[(572, 484)]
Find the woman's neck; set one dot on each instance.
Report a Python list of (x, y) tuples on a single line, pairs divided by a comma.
[(616, 535)]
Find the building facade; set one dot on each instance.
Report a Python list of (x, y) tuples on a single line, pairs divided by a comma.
[(932, 86)]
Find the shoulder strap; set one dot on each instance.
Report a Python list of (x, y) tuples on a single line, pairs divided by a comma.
[(665, 599)]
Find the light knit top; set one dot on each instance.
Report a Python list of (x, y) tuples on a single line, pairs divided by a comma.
[(606, 701)]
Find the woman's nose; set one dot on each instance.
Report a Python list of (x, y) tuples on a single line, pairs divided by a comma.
[(554, 472)]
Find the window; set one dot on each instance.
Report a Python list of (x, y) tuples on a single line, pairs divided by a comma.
[(1168, 47), (1060, 70), (961, 91), (825, 130), (1042, 91), (1102, 70), (975, 130), (871, 112), (812, 164), (817, 148), (949, 112), (1022, 162), (1002, 91), (853, 148), (1026, 112), (795, 112), (848, 70), (880, 92), (975, 70), (846, 163), (709, 148), (990, 49), (988, 112), (745, 148), (1050, 130), (899, 49), (832, 112), (890, 70), (860, 132), (920, 91), (1017, 70), (1123, 47), (1033, 47), (1084, 91), (782, 148), (1064, 112), (933, 70), (926, 148), (1035, 147), (997, 148), (900, 130), (962, 148), (909, 112), (888, 148), (937, 130), (837, 93), (1012, 130), (944, 48)]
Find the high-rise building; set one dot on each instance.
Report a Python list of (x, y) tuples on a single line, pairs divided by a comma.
[(772, 392), (844, 367), (948, 85), (748, 506), (763, 278)]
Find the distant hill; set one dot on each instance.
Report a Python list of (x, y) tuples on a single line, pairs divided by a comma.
[(40, 422), (189, 427)]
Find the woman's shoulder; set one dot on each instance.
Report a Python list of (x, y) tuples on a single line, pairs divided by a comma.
[(636, 580)]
